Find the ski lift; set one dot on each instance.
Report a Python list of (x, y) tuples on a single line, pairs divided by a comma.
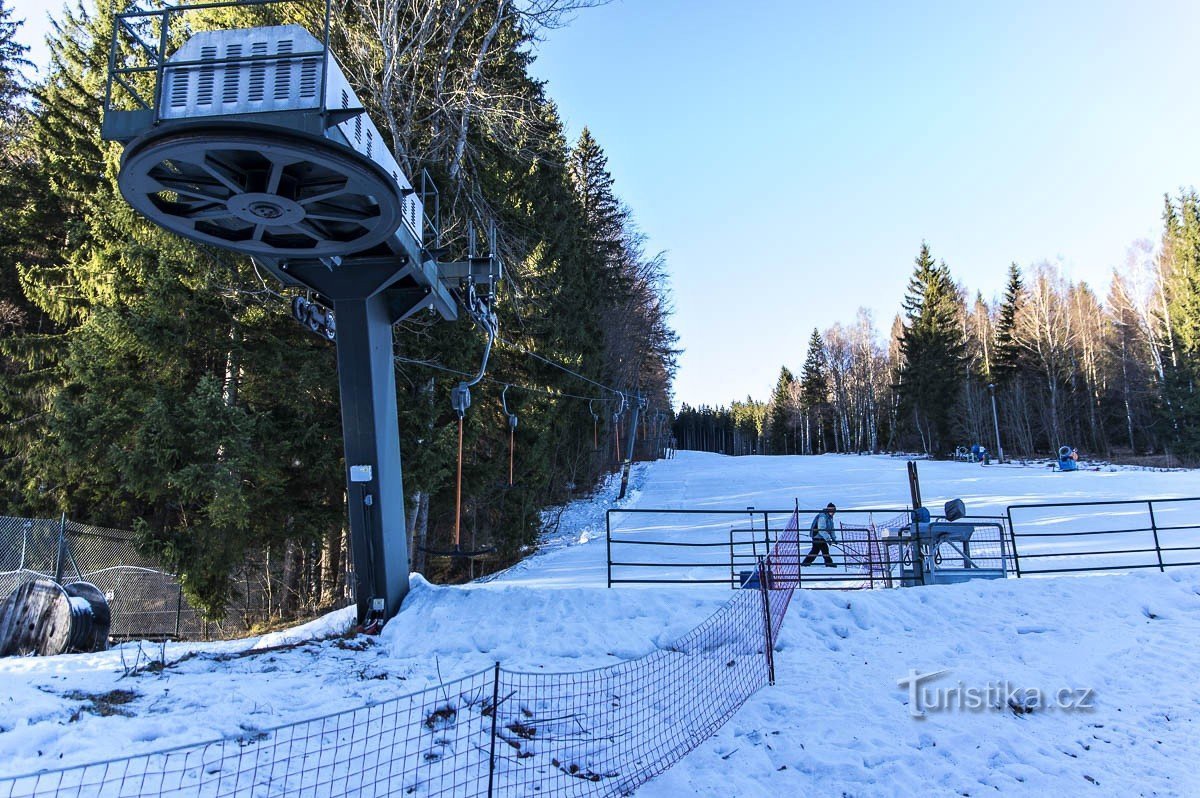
[(512, 433), (289, 169), (460, 400), (617, 427), (595, 427)]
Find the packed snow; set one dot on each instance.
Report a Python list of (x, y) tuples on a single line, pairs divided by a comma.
[(1118, 648)]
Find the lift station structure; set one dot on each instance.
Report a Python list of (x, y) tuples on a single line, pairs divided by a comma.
[(253, 140)]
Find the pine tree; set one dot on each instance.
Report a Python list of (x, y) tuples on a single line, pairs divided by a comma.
[(932, 348)]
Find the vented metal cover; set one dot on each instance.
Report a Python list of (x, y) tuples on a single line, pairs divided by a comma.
[(252, 71)]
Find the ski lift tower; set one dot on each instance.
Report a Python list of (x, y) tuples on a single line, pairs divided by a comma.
[(253, 140)]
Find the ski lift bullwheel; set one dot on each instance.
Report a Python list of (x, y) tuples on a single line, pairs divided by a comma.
[(261, 192)]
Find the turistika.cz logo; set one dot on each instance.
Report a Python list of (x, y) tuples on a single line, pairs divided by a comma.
[(924, 697)]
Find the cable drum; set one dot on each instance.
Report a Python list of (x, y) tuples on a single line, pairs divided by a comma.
[(90, 634), (80, 622), (45, 618)]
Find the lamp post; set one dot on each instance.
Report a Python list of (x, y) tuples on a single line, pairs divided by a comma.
[(996, 422)]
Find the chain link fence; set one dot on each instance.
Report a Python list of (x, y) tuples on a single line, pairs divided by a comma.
[(147, 602), (601, 732)]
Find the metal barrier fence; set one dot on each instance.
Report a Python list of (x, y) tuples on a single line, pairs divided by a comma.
[(663, 547), (1080, 537), (495, 733)]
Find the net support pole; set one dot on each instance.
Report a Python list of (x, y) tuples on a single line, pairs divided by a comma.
[(764, 576), (495, 714)]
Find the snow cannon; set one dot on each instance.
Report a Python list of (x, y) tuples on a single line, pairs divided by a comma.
[(1068, 458), (948, 550), (253, 140), (45, 618)]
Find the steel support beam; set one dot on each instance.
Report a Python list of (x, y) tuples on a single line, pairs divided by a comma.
[(370, 426)]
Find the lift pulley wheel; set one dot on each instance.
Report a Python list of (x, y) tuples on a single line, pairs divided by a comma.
[(261, 191)]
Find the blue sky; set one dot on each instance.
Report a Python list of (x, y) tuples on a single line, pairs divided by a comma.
[(790, 157)]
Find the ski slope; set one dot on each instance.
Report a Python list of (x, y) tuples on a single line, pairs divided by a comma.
[(836, 722)]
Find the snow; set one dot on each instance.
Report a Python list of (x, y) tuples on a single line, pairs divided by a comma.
[(836, 721)]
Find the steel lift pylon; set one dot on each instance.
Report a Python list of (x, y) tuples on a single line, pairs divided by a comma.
[(253, 140)]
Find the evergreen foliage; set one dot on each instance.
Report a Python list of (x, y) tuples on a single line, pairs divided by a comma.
[(781, 415), (1006, 361), (932, 349), (814, 395), (1181, 255), (165, 387), (733, 430)]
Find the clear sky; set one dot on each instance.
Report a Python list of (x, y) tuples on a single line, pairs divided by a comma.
[(789, 157)]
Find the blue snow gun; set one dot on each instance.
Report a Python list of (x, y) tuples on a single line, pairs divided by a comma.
[(1068, 459)]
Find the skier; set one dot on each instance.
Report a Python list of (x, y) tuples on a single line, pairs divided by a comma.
[(822, 534)]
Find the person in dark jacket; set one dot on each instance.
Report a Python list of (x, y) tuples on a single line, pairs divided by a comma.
[(821, 531)]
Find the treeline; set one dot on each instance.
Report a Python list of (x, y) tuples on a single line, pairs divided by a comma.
[(1114, 376), (736, 429), (153, 384)]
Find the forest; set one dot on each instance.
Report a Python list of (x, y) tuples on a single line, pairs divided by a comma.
[(151, 384), (1114, 376)]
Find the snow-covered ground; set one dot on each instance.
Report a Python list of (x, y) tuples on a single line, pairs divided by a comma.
[(836, 722)]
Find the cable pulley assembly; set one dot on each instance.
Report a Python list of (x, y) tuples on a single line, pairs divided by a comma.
[(283, 164), (316, 318)]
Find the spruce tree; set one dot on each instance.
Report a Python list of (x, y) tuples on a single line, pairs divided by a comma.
[(23, 231), (603, 216), (1006, 359), (932, 348), (814, 394), (1181, 247), (780, 415)]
